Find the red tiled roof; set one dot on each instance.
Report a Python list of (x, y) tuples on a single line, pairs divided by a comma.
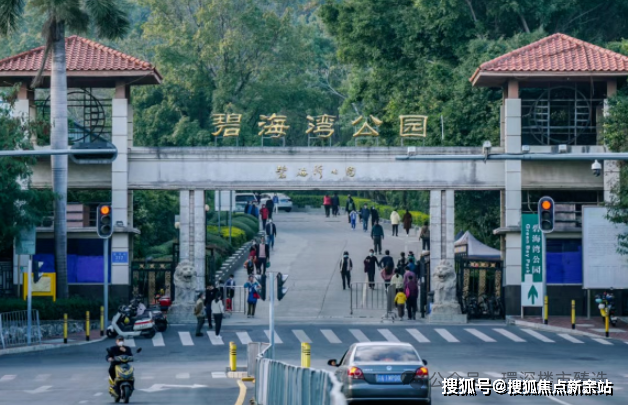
[(557, 53), (82, 55)]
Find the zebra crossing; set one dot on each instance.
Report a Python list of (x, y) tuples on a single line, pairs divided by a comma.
[(341, 335)]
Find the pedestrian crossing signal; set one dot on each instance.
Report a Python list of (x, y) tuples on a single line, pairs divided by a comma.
[(104, 222), (281, 290), (546, 214)]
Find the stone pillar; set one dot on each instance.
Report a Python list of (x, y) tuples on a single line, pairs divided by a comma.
[(611, 167), (511, 197), (192, 232), (120, 112)]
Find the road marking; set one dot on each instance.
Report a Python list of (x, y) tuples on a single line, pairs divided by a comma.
[(85, 401), (302, 336), (158, 340), (183, 376), (357, 333), (277, 338), (480, 335), (147, 377), (98, 393), (130, 342), (42, 377), (330, 336), (388, 335), (510, 335), (558, 400), (242, 394), (244, 337), (569, 338), (186, 339), (216, 340), (446, 335), (418, 336), (7, 377), (39, 390), (537, 335), (493, 374), (602, 341), (219, 374)]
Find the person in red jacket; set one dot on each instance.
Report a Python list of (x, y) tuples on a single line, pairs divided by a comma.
[(264, 212), (327, 204)]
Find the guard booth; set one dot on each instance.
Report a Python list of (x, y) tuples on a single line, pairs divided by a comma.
[(478, 272)]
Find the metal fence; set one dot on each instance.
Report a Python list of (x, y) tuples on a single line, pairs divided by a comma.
[(277, 383), (14, 328), (238, 297), (371, 299)]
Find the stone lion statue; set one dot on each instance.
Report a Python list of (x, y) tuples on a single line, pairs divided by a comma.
[(444, 286), (185, 282)]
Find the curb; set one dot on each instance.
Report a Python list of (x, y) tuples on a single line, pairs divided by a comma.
[(43, 347), (549, 328)]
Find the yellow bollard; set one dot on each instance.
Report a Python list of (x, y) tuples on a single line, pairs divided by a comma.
[(233, 356), (87, 326), (102, 321), (546, 310), (305, 355), (606, 319), (65, 328), (573, 314)]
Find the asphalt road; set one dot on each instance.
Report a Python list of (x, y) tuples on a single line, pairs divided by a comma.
[(197, 365)]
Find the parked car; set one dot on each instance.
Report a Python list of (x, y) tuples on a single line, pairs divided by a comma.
[(383, 371), (241, 199), (285, 202)]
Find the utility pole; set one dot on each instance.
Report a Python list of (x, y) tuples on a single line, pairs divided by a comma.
[(271, 313)]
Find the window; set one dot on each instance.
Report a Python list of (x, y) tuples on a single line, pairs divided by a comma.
[(564, 261), (385, 354)]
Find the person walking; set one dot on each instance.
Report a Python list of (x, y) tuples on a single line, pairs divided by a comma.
[(335, 203), (424, 236), (262, 255), (374, 216), (218, 310), (275, 203), (254, 210), (263, 213), (353, 218), (387, 264), (394, 220), (370, 264), (349, 207), (230, 286), (270, 205), (198, 313), (377, 234), (346, 265), (407, 222), (412, 292), (210, 294), (271, 233), (327, 204), (364, 214), (252, 287), (400, 302), (397, 280), (402, 263)]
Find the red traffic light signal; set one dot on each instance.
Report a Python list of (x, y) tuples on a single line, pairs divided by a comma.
[(546, 214), (104, 222)]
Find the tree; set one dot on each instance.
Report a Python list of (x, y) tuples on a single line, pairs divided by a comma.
[(22, 207), (109, 21)]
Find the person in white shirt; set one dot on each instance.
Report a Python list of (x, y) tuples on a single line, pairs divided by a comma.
[(217, 310), (394, 221)]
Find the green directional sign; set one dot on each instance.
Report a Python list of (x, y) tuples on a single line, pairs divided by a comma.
[(532, 292)]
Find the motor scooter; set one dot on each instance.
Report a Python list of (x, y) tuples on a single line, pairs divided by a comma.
[(606, 305), (127, 325), (123, 386), (138, 309)]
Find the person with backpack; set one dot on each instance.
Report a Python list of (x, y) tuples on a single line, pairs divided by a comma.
[(252, 287), (346, 265), (387, 263), (349, 207)]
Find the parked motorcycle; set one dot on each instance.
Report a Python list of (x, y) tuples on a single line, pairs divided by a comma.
[(123, 386), (127, 323), (606, 305), (138, 309)]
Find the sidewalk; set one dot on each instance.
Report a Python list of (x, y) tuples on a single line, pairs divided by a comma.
[(75, 339), (593, 327)]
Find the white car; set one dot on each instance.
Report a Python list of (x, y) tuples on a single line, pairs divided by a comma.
[(285, 202), (241, 199)]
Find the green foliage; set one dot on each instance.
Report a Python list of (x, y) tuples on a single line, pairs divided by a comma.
[(153, 214), (75, 307)]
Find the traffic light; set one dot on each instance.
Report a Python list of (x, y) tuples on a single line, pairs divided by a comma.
[(546, 214), (281, 290), (262, 290), (104, 222)]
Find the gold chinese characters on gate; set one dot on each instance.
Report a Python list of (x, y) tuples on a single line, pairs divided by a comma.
[(320, 126), (317, 172)]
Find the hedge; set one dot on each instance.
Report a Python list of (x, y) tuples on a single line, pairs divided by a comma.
[(53, 311)]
